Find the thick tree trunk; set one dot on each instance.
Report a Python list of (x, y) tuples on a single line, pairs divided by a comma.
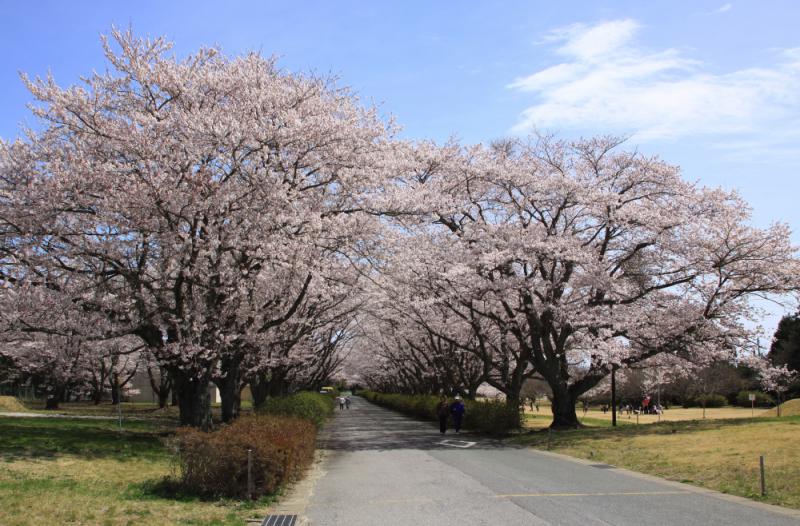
[(54, 398), (175, 394), (161, 385), (194, 401), (230, 391), (258, 388), (231, 400), (51, 402), (513, 403), (115, 394), (563, 406), (163, 396), (277, 386)]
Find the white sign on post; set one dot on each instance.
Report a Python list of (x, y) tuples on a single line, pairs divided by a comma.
[(751, 397)]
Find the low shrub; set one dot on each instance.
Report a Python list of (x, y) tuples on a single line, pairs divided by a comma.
[(491, 416), (315, 407), (214, 464), (714, 400), (762, 399)]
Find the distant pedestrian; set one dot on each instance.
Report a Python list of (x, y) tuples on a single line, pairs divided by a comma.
[(457, 410), (585, 407), (341, 402), (443, 411), (347, 401)]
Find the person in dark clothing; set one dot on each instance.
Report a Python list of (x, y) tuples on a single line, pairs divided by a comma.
[(457, 409), (443, 411)]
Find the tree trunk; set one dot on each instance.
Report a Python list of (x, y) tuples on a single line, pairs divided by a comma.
[(161, 386), (51, 402), (513, 403), (258, 388), (175, 394), (277, 386), (163, 396), (53, 398), (115, 399), (194, 401), (230, 391), (563, 407)]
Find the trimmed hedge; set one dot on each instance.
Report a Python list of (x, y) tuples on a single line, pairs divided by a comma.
[(315, 407), (214, 465), (762, 399), (490, 416)]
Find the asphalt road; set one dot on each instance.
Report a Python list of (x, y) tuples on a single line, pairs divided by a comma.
[(384, 469)]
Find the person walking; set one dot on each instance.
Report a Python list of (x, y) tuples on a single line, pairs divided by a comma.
[(341, 402), (457, 409), (443, 411), (347, 401)]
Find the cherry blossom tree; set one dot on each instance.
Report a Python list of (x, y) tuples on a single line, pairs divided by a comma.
[(182, 186), (577, 253), (777, 379)]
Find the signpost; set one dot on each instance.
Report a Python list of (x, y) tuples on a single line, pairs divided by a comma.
[(752, 398)]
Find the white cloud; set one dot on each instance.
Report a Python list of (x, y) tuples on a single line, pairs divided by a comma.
[(606, 82), (724, 8)]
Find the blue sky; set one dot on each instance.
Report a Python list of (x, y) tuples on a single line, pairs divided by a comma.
[(711, 86)]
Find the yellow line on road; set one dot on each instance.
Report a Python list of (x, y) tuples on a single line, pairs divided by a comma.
[(606, 494)]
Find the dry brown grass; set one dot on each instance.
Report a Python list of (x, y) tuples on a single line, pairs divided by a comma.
[(674, 414), (718, 454), (11, 404), (788, 408)]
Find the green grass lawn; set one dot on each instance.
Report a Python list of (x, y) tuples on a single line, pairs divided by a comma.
[(69, 471), (716, 454)]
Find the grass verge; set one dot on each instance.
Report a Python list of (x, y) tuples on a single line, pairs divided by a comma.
[(716, 454)]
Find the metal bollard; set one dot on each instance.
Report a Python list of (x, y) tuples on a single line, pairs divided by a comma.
[(763, 482)]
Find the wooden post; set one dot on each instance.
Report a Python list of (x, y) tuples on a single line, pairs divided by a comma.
[(250, 485), (763, 482)]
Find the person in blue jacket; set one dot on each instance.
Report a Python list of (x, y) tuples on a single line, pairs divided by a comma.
[(457, 410)]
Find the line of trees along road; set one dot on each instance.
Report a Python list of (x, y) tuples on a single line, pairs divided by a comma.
[(245, 225)]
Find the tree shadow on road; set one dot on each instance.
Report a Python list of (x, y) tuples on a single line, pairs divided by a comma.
[(369, 427)]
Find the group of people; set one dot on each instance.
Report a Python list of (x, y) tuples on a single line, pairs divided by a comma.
[(645, 408), (446, 410), (344, 402)]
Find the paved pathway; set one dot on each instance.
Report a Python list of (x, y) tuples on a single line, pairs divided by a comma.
[(384, 469)]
